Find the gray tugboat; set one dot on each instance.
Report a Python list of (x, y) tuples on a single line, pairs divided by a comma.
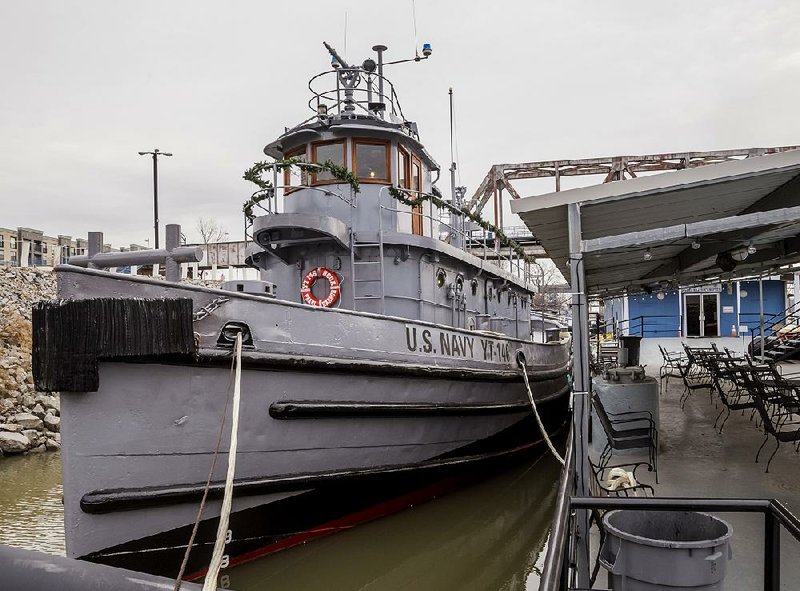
[(381, 357)]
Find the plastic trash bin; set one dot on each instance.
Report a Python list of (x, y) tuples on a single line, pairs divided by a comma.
[(659, 550)]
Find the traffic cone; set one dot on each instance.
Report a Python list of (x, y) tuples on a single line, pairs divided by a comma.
[(733, 330)]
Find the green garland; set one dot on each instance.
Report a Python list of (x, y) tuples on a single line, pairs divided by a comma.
[(265, 189), (488, 226)]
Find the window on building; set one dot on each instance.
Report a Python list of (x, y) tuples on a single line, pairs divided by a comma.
[(44, 247), (292, 176), (371, 160), (2, 239), (12, 243), (2, 256), (322, 151)]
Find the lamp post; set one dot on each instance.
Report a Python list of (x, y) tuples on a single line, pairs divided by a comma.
[(155, 154)]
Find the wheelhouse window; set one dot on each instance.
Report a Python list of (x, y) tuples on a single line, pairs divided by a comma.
[(371, 161), (403, 169), (292, 176), (322, 151)]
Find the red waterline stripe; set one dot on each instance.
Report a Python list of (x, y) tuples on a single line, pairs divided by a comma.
[(394, 505)]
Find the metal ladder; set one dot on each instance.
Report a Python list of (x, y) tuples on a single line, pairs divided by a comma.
[(358, 277), (357, 244)]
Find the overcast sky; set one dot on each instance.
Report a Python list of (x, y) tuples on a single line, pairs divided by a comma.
[(88, 84)]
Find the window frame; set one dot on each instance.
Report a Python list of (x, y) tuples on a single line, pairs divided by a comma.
[(293, 153), (314, 146), (373, 142), (417, 219)]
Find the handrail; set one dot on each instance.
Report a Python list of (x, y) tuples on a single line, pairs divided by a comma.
[(774, 512), (522, 272), (790, 312), (553, 573)]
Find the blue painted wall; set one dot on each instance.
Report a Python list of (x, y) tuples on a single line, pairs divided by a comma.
[(652, 317), (774, 302)]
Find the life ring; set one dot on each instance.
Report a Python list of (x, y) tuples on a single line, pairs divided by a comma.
[(334, 286)]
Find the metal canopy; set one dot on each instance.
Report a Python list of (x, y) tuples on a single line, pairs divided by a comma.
[(677, 228)]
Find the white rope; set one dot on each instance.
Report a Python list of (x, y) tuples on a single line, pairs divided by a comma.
[(538, 419), (210, 584)]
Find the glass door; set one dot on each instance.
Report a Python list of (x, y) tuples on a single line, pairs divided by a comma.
[(701, 312), (692, 310), (710, 317)]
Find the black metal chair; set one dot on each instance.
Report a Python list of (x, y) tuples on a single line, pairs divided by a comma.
[(729, 378), (778, 404), (600, 487), (694, 373), (670, 367), (627, 430)]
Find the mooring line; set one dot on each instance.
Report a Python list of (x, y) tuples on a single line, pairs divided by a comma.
[(182, 571), (210, 583), (524, 371)]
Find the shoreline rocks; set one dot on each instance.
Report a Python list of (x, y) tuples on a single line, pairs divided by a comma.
[(29, 420)]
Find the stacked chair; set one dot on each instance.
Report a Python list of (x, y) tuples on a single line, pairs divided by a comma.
[(773, 401), (624, 431)]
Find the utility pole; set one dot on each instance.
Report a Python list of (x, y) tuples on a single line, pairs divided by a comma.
[(155, 154)]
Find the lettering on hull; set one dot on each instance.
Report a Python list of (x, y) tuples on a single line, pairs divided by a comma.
[(444, 343)]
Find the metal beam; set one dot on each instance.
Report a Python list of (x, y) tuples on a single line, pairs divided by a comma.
[(695, 229)]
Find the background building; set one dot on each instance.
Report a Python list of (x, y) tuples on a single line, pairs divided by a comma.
[(29, 247), (730, 308)]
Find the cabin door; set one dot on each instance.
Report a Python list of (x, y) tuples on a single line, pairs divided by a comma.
[(701, 311)]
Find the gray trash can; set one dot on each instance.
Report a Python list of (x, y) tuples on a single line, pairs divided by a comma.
[(659, 550)]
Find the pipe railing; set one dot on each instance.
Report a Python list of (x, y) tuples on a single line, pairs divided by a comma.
[(554, 573), (776, 515), (171, 257)]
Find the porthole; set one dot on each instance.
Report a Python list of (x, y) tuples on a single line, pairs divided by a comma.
[(441, 277), (459, 283)]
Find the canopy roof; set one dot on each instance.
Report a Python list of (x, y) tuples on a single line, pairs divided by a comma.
[(677, 228)]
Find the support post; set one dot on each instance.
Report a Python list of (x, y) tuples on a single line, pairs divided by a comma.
[(772, 552), (761, 311), (173, 267), (581, 397)]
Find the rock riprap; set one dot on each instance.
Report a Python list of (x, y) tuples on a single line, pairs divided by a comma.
[(29, 420)]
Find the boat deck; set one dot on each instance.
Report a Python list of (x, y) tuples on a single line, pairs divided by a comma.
[(696, 461)]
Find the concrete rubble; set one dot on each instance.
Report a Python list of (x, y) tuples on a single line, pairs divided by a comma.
[(29, 420)]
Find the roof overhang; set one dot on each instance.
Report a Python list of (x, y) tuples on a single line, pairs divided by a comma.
[(677, 228)]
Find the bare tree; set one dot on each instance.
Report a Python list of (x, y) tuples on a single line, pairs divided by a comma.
[(210, 230), (550, 285)]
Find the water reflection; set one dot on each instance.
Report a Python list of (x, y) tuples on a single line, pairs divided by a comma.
[(485, 537), (488, 536), (31, 512)]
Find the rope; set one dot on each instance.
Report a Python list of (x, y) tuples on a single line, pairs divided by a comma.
[(190, 545), (210, 583), (536, 414)]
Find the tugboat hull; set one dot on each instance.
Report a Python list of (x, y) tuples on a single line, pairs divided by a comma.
[(326, 440)]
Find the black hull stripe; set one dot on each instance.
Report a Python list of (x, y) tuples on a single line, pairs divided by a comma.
[(123, 499), (279, 521), (267, 361), (323, 409)]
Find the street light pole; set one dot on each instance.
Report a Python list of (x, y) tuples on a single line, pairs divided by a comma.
[(155, 154)]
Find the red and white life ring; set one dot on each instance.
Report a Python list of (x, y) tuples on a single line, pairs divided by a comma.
[(334, 285)]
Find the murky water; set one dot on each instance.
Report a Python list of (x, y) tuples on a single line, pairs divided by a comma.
[(31, 513), (488, 536)]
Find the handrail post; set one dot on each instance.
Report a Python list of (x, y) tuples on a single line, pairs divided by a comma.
[(772, 552)]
